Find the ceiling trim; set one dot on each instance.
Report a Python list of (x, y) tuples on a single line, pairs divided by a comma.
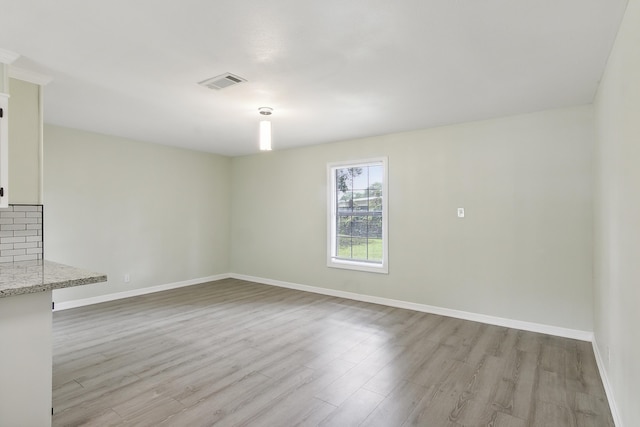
[(7, 57), (29, 76)]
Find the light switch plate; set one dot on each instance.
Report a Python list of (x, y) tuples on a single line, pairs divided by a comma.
[(460, 212)]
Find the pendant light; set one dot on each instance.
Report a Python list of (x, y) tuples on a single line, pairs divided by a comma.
[(265, 129)]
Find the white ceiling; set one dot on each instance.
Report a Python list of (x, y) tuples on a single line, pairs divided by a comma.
[(331, 70)]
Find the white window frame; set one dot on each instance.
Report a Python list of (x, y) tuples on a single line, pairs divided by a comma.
[(332, 260)]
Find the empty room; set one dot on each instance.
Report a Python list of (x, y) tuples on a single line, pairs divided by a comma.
[(417, 213)]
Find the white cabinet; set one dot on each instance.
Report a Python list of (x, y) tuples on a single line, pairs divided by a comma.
[(24, 170), (25, 360), (4, 150)]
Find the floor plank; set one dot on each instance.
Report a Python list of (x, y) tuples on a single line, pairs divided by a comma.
[(236, 353)]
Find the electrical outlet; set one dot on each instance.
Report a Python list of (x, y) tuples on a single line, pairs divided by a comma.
[(127, 278), (460, 212)]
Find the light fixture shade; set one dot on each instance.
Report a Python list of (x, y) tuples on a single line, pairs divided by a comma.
[(265, 135)]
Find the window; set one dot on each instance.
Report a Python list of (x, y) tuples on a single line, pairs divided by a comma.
[(357, 215)]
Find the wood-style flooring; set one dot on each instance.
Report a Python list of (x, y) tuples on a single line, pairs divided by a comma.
[(236, 353)]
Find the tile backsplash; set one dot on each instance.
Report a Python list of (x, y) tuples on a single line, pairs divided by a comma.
[(21, 237)]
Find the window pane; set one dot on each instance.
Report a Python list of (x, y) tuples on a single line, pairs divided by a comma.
[(361, 177), (375, 174), (375, 227), (344, 247), (375, 198), (344, 225), (375, 249), (359, 248), (345, 178), (345, 201), (375, 188), (359, 226), (360, 199)]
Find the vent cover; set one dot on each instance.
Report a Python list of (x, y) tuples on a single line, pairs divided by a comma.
[(222, 81)]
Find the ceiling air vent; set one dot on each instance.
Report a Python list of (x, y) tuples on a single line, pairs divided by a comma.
[(222, 81)]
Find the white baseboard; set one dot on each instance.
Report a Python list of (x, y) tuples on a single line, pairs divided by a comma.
[(606, 384), (136, 292), (483, 318)]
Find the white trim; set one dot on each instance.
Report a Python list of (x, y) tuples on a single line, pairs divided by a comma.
[(465, 315), (136, 292), (606, 384), (7, 57), (29, 76)]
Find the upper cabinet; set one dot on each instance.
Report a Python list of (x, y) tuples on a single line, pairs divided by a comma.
[(4, 149), (4, 135), (25, 143), (4, 132), (20, 132)]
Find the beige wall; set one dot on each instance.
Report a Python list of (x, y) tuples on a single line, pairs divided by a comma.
[(165, 215), (118, 206), (617, 217), (522, 252), (24, 142)]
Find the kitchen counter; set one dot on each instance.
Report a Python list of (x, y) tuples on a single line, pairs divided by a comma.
[(26, 337), (19, 278)]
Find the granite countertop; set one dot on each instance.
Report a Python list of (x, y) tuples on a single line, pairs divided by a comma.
[(19, 278)]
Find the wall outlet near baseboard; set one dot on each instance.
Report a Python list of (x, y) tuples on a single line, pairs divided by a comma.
[(127, 278)]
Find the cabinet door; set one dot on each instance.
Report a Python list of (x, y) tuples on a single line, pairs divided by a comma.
[(4, 150)]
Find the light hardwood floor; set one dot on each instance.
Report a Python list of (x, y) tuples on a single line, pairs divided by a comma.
[(235, 353)]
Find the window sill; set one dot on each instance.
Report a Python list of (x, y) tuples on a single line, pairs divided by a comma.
[(359, 266)]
